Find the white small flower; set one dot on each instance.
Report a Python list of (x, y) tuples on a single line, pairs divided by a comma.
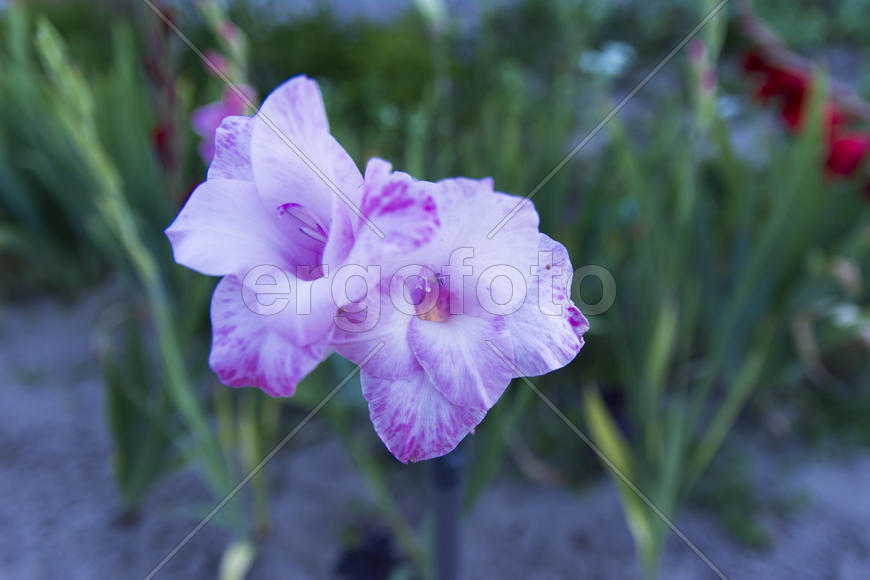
[(611, 61)]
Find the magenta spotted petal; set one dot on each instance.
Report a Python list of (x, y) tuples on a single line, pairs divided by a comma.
[(232, 150), (412, 417), (548, 337), (251, 349)]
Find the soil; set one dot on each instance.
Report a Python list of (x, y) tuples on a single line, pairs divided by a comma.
[(60, 511)]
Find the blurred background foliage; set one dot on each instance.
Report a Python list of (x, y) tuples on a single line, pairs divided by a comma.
[(738, 264)]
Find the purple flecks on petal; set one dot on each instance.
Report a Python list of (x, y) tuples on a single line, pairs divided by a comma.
[(232, 150), (468, 209), (413, 419), (401, 209), (404, 206), (547, 331), (246, 351)]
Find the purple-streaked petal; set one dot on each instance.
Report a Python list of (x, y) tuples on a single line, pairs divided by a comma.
[(413, 419), (232, 150), (223, 229), (402, 210), (458, 356), (248, 351), (401, 207), (295, 159), (547, 331)]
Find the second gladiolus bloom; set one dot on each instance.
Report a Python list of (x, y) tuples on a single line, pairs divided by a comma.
[(406, 278)]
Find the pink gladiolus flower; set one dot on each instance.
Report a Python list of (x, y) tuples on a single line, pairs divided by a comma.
[(459, 316), (217, 64), (398, 275), (206, 119), (265, 213)]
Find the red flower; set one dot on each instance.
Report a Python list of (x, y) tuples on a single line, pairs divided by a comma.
[(836, 117), (847, 152), (753, 62), (787, 86)]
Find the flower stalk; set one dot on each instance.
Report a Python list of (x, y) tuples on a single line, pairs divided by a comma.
[(446, 474)]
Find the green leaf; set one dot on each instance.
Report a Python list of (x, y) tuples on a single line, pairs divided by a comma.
[(137, 412), (620, 464)]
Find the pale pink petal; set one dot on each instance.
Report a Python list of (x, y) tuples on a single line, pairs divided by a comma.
[(342, 234), (309, 312), (547, 331), (413, 419), (343, 220), (468, 210), (357, 335), (238, 98), (248, 351), (458, 356), (295, 159), (223, 229), (232, 150), (215, 60), (205, 148)]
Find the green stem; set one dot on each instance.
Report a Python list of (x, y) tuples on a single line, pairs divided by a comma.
[(387, 506), (75, 109)]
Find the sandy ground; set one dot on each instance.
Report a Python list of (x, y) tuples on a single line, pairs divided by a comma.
[(58, 513)]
